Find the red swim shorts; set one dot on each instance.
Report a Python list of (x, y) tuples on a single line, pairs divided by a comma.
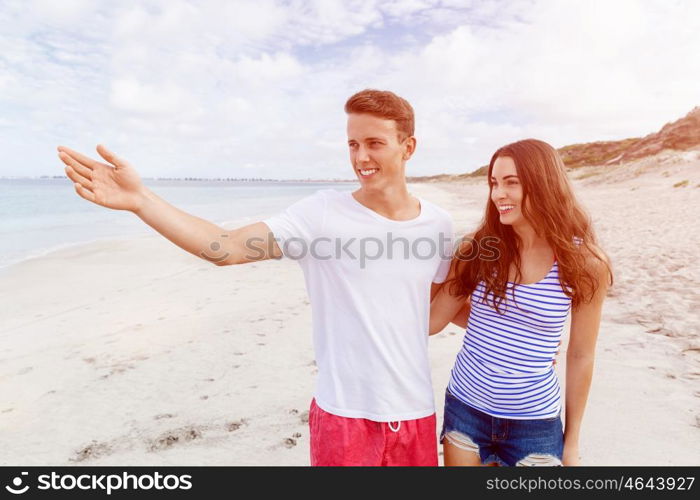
[(340, 441)]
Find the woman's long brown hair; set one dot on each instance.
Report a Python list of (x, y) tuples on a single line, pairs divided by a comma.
[(553, 212)]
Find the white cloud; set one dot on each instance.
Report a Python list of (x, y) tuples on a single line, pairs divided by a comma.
[(404, 9), (129, 94)]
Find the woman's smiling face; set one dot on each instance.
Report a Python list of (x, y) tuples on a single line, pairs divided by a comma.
[(507, 190)]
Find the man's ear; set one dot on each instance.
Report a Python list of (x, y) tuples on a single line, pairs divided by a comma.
[(410, 147)]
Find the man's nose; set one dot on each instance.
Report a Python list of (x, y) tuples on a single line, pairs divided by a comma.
[(362, 154)]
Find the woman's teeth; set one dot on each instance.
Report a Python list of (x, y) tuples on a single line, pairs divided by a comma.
[(504, 209), (368, 172)]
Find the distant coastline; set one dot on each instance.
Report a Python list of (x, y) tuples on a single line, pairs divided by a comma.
[(189, 179)]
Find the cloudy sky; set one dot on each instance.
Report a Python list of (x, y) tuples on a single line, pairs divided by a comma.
[(256, 88)]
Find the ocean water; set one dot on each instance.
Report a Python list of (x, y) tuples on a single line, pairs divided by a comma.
[(38, 216)]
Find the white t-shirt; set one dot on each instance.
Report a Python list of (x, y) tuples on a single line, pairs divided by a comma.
[(368, 279)]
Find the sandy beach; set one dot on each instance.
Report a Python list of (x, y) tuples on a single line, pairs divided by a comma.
[(134, 352)]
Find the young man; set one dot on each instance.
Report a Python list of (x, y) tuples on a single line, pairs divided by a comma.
[(371, 260)]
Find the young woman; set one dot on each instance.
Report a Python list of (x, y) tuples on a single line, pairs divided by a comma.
[(532, 261)]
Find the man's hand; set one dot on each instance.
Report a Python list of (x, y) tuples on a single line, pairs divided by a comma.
[(115, 185)]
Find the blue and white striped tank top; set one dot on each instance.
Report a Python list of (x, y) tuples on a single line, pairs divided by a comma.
[(505, 366)]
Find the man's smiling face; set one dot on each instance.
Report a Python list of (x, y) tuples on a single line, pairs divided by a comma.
[(377, 151)]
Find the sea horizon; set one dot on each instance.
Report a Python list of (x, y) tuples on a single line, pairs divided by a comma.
[(159, 178)]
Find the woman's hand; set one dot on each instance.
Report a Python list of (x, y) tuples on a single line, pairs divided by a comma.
[(571, 455)]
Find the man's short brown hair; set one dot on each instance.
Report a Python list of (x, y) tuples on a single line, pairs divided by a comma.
[(384, 104)]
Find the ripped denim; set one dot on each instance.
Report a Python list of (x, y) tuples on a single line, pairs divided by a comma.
[(502, 441)]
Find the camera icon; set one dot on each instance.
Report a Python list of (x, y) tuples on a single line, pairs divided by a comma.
[(17, 483)]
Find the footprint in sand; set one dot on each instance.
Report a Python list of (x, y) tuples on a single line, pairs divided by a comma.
[(289, 443), (175, 436), (25, 370), (93, 450), (237, 424), (163, 415), (304, 417)]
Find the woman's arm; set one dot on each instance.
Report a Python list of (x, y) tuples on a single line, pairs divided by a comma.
[(462, 317), (444, 306), (443, 309), (580, 354)]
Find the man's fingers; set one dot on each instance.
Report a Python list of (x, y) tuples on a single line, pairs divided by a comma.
[(76, 166), (75, 177), (84, 193), (84, 160), (109, 156)]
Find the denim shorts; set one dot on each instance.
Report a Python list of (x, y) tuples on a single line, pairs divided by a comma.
[(504, 441)]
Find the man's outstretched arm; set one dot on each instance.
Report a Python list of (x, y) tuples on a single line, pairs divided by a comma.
[(117, 185)]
